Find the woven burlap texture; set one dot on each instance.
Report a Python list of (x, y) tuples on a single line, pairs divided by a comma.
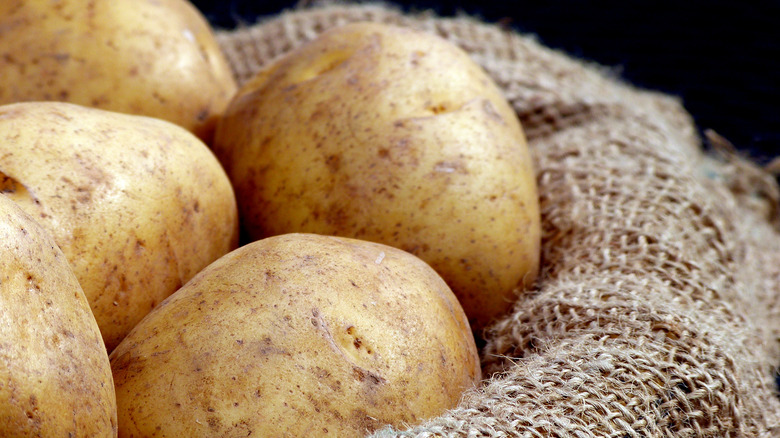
[(657, 312)]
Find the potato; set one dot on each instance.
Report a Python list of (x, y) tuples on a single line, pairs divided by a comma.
[(297, 335), (138, 205), (55, 378), (393, 136), (156, 58)]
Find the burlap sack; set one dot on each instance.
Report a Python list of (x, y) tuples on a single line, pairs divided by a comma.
[(658, 309)]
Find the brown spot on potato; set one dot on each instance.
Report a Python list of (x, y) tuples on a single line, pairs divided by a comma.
[(368, 377), (438, 108), (338, 217), (100, 102), (267, 348), (84, 194), (333, 162), (416, 248), (159, 98), (140, 245), (315, 318), (32, 413)]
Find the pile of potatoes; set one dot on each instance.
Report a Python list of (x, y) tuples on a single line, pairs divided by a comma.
[(312, 254)]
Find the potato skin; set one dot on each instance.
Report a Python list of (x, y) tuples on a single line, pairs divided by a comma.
[(150, 57), (138, 205), (394, 136), (55, 378), (297, 335)]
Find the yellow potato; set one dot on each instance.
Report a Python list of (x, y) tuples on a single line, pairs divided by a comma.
[(156, 58), (297, 335), (138, 205), (393, 136), (55, 378)]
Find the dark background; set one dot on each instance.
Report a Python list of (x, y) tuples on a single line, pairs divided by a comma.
[(721, 57)]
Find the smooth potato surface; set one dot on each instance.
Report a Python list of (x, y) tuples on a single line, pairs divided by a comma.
[(55, 377), (297, 335), (394, 136), (138, 205), (150, 57)]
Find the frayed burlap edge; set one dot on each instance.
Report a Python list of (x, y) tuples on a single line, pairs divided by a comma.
[(658, 309)]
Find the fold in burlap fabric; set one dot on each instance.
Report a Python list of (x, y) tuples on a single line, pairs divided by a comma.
[(658, 309)]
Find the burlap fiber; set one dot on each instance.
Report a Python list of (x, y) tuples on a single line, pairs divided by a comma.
[(658, 309)]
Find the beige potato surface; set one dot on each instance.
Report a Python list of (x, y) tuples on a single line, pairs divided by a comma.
[(150, 57), (55, 377), (138, 205), (297, 335), (394, 136)]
